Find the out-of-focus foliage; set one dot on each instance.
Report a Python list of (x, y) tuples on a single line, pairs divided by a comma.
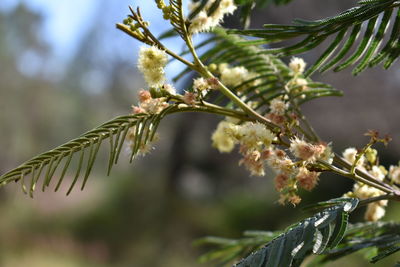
[(347, 26), (270, 71), (246, 7)]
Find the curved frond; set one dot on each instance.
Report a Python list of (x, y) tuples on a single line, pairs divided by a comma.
[(86, 148), (370, 19), (315, 235), (142, 128)]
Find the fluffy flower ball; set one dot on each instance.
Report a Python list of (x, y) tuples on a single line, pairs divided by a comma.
[(151, 63), (297, 65)]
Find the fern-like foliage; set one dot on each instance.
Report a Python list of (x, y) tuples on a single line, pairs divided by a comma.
[(87, 146), (231, 249), (271, 73), (315, 234), (375, 16), (47, 163), (384, 237)]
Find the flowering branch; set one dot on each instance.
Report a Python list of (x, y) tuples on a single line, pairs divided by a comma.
[(133, 30)]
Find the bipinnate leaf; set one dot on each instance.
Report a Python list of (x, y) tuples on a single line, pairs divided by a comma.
[(269, 78), (87, 146), (316, 234), (370, 19)]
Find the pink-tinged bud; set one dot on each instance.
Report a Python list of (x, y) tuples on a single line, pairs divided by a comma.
[(307, 179), (213, 82), (243, 149), (306, 151), (290, 197), (275, 118), (190, 98), (280, 153), (294, 199), (144, 96), (281, 181), (266, 154), (253, 163), (136, 110)]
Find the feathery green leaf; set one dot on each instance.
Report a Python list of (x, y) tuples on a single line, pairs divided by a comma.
[(375, 15), (91, 141), (269, 74)]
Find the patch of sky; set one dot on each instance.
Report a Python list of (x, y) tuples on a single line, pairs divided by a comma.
[(67, 22)]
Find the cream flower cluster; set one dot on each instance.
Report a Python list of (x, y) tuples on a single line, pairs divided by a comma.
[(250, 135), (151, 63), (253, 139), (368, 163), (350, 155), (234, 76), (203, 22), (375, 210), (278, 106), (224, 137), (256, 145), (394, 174), (298, 84), (297, 65)]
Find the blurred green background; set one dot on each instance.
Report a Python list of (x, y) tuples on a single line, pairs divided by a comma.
[(65, 69)]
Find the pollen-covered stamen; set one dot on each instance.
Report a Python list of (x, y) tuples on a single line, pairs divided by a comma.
[(306, 151), (307, 179), (279, 162), (281, 181), (252, 161)]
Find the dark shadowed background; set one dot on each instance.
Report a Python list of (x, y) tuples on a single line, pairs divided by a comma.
[(65, 69)]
